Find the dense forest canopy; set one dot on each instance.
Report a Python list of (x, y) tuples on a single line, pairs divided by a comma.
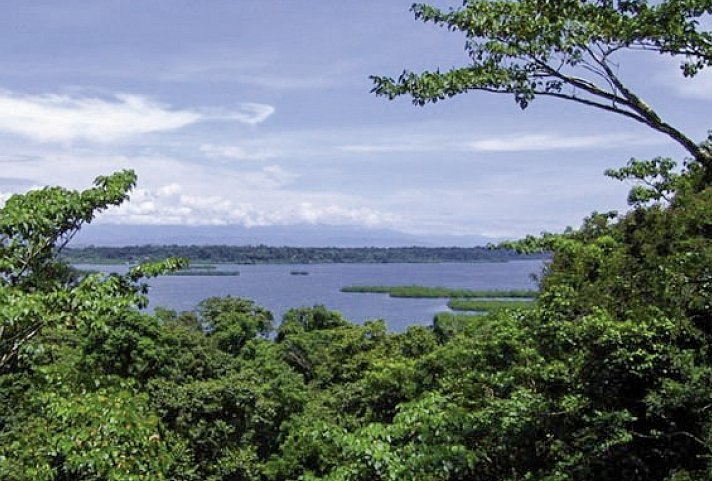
[(608, 375)]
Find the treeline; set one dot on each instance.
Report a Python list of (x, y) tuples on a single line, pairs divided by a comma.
[(262, 254)]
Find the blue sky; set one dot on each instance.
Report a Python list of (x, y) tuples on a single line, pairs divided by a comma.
[(258, 113)]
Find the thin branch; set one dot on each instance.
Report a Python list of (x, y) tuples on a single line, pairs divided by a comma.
[(602, 72), (583, 84), (649, 117), (591, 68), (609, 108)]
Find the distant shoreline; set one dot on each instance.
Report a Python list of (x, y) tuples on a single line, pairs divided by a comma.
[(223, 254)]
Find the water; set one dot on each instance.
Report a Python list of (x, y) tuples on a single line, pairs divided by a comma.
[(273, 287)]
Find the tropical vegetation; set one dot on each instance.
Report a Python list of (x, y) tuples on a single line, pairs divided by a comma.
[(607, 376)]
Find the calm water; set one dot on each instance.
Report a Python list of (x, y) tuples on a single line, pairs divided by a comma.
[(275, 288)]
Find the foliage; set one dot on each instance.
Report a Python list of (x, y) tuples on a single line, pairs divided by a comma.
[(306, 319), (567, 49), (606, 376), (108, 433), (38, 291), (487, 305), (33, 226), (232, 321)]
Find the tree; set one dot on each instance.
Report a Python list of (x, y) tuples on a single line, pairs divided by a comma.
[(307, 319), (36, 289), (60, 416), (608, 377), (232, 321), (565, 49)]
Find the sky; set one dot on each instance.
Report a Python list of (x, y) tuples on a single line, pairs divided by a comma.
[(258, 113)]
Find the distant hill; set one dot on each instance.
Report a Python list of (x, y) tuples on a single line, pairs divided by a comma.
[(293, 235)]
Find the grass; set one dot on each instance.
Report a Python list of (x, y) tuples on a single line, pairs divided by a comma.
[(197, 267), (435, 292), (480, 305)]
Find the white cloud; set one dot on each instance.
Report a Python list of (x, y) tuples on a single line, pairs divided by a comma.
[(169, 205), (513, 143), (320, 186), (236, 152), (547, 142), (335, 215), (175, 192), (169, 190), (63, 118), (252, 113)]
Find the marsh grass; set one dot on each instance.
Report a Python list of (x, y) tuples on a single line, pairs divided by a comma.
[(436, 292)]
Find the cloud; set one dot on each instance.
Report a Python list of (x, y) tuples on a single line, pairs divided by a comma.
[(252, 70), (18, 158), (169, 205), (388, 147), (332, 214), (513, 143), (64, 118), (236, 152), (463, 194), (277, 175), (16, 182), (251, 114), (547, 142)]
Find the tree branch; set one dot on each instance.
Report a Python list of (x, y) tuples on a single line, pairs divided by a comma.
[(583, 84), (649, 117)]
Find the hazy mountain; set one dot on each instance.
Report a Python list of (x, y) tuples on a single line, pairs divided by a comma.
[(295, 235)]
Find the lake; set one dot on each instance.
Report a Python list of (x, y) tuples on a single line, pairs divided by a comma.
[(274, 287)]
